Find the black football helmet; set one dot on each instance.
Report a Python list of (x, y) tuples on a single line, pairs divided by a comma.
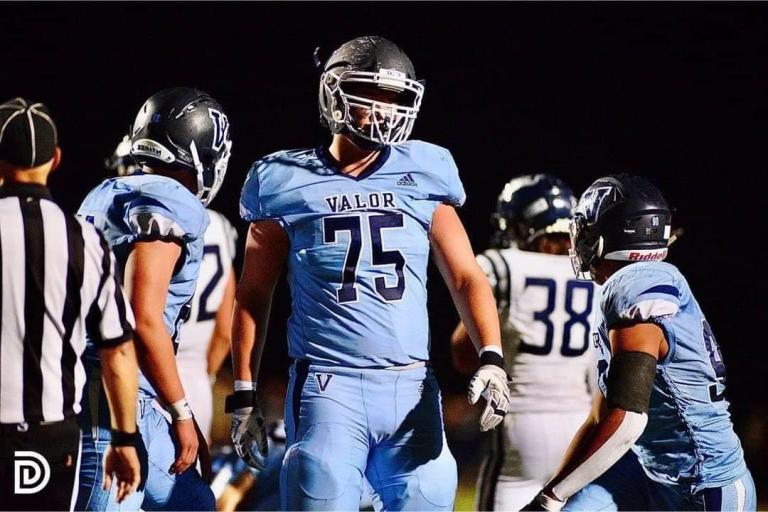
[(184, 127), (621, 217), (379, 63), (530, 206)]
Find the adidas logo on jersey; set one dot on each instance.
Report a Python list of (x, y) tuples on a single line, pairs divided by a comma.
[(407, 180)]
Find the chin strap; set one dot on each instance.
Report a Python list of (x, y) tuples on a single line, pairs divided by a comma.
[(198, 170)]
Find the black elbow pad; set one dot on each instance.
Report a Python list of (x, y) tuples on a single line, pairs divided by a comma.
[(630, 381)]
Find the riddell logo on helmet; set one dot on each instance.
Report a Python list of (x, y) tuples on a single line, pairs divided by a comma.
[(648, 256)]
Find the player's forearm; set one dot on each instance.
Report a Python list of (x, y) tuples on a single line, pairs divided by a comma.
[(579, 438), (265, 253), (119, 373), (219, 349), (598, 450), (477, 308), (221, 340), (154, 350), (622, 419), (248, 336)]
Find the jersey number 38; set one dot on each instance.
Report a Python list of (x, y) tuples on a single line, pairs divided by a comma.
[(574, 317)]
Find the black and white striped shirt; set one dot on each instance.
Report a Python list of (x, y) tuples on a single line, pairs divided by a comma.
[(57, 283)]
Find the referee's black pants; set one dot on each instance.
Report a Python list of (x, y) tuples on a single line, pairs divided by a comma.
[(39, 465)]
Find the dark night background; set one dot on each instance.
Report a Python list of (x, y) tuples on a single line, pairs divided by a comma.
[(675, 91)]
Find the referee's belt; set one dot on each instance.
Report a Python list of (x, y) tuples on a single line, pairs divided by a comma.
[(10, 428)]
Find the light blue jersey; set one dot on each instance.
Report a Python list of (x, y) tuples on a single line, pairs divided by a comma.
[(152, 207), (689, 441), (357, 265)]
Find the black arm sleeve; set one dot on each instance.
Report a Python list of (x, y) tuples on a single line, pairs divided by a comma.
[(630, 381)]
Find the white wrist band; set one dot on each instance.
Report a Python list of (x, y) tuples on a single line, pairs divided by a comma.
[(490, 348), (180, 410), (245, 385)]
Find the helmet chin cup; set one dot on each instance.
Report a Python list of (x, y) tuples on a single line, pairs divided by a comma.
[(362, 142)]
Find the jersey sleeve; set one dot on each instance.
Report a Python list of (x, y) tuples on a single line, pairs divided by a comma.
[(263, 196), (485, 263), (453, 190), (109, 321), (642, 295), (164, 211), (251, 207), (228, 235), (497, 272), (275, 188), (259, 200)]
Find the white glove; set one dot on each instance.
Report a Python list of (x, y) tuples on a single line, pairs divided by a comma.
[(249, 436), (490, 382)]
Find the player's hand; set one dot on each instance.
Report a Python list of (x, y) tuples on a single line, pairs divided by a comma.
[(490, 382), (543, 502), (186, 437), (249, 436), (122, 462)]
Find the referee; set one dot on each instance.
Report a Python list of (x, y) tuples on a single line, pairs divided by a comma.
[(57, 282)]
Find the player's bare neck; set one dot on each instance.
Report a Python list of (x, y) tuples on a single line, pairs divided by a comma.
[(351, 159)]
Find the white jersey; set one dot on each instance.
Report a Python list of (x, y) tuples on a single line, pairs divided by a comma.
[(546, 316), (219, 253)]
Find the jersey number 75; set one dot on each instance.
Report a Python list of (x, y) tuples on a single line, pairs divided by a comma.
[(353, 224)]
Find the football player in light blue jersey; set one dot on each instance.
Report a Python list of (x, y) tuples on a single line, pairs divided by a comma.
[(660, 372), (355, 222), (154, 221), (546, 318)]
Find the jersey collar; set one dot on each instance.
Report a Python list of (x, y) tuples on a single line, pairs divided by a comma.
[(325, 156)]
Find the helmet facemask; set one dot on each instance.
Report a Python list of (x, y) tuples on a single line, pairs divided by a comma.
[(585, 247), (389, 123), (211, 176)]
